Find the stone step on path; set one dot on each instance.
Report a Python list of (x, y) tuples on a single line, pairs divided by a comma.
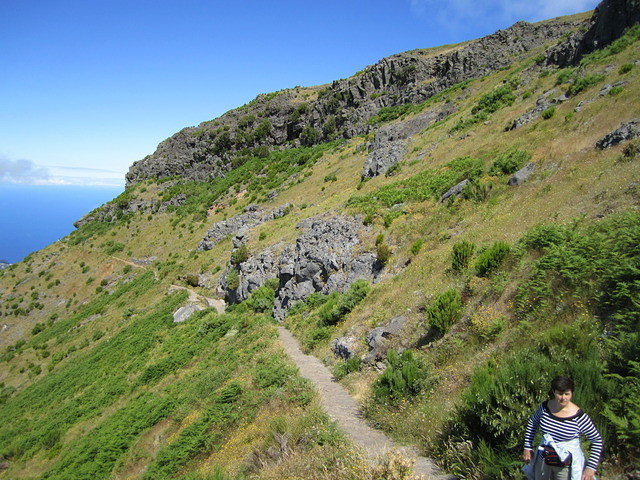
[(344, 410)]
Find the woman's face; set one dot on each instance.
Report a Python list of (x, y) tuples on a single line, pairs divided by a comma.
[(563, 397)]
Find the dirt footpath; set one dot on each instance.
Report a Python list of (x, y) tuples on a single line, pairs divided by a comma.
[(343, 409)]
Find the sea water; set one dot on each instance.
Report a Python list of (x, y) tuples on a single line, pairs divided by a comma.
[(32, 217)]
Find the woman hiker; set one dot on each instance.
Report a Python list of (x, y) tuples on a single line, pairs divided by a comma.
[(562, 422)]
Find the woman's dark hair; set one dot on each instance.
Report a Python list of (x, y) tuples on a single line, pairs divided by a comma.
[(562, 383)]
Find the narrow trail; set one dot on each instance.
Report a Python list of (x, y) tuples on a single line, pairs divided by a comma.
[(343, 409), (195, 297)]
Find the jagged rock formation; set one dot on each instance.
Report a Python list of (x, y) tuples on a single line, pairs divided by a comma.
[(252, 217), (389, 145), (610, 19), (626, 131), (312, 115), (324, 260)]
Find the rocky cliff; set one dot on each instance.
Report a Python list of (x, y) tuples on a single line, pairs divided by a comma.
[(306, 116)]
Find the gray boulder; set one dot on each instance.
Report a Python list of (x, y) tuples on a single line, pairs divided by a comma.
[(345, 347), (378, 338), (183, 313), (626, 131), (455, 190), (521, 175)]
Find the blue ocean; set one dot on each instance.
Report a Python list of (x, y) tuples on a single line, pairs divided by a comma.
[(32, 217)]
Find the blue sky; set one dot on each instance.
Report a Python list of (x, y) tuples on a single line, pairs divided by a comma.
[(90, 86)]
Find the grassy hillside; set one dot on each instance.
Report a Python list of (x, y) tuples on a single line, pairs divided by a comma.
[(502, 288)]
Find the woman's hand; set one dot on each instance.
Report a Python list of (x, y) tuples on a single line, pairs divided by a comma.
[(588, 474), (526, 457)]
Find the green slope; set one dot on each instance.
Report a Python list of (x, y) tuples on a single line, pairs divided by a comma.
[(98, 382)]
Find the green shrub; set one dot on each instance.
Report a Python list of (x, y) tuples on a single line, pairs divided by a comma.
[(262, 299), (37, 328), (338, 306), (542, 237), (461, 255), (444, 311), (509, 162), (631, 151), (490, 259), (582, 83), (233, 279), (626, 68), (383, 254), (548, 113), (240, 254), (350, 365), (416, 246), (616, 91), (405, 376), (332, 177)]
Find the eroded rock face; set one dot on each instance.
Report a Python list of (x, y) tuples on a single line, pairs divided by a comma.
[(609, 21), (521, 175), (389, 145), (323, 260), (342, 109), (626, 131), (252, 217)]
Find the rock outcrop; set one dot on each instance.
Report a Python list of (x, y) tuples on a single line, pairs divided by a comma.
[(609, 21), (626, 131), (325, 259), (389, 145), (115, 209), (252, 217), (306, 116)]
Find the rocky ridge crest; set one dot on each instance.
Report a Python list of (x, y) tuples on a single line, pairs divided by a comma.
[(307, 116)]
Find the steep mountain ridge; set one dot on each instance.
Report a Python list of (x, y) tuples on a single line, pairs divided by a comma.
[(341, 110)]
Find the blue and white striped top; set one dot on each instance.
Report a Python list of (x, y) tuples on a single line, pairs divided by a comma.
[(565, 429)]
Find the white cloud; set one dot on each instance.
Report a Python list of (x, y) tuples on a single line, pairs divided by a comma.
[(472, 15), (22, 171), (27, 172)]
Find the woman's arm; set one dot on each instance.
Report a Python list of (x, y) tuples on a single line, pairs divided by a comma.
[(589, 430), (532, 426)]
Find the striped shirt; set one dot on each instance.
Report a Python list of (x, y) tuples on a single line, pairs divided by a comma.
[(565, 429)]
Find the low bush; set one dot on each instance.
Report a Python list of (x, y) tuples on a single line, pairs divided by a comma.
[(416, 246), (383, 254), (338, 306), (548, 113), (461, 254), (350, 365), (490, 259), (240, 254), (262, 299), (405, 376), (509, 162), (582, 83), (444, 311)]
